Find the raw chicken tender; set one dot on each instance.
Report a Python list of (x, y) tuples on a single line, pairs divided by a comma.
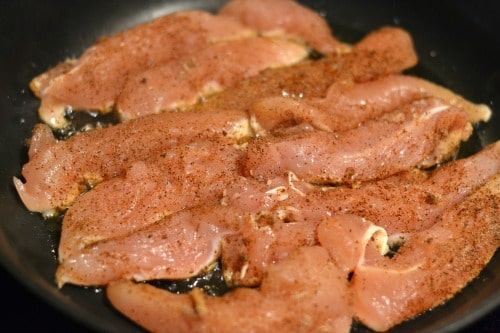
[(324, 182), (285, 18), (422, 133), (58, 171), (184, 81), (184, 176), (305, 292), (432, 266), (95, 80)]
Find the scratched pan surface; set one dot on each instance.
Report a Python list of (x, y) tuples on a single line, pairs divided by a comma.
[(456, 43)]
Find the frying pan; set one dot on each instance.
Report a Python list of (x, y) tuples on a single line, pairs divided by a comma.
[(457, 46)]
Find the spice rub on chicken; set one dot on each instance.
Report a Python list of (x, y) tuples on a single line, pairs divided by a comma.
[(321, 186), (306, 292), (59, 170), (422, 133), (311, 92), (184, 81), (96, 79)]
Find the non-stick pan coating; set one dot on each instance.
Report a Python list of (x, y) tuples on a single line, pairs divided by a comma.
[(457, 44)]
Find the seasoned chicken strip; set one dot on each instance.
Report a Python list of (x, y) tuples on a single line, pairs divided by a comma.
[(285, 18), (58, 171), (95, 80), (52, 184), (184, 81), (178, 246), (312, 79), (184, 176), (281, 216), (400, 205), (432, 266), (305, 292), (422, 133)]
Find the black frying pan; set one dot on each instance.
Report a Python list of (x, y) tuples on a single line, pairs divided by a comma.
[(458, 48)]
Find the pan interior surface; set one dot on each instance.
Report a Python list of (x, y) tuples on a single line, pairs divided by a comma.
[(457, 49)]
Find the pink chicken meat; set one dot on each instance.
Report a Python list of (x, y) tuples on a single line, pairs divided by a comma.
[(313, 298), (185, 81), (58, 171), (95, 80), (185, 176), (319, 175), (401, 205), (281, 216), (422, 133), (286, 18), (432, 266), (178, 246)]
